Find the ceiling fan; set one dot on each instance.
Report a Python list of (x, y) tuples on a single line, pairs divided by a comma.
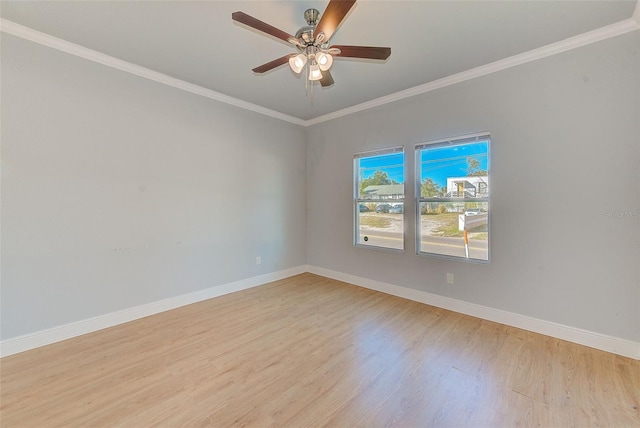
[(312, 42)]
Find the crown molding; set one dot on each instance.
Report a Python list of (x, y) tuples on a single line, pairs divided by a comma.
[(603, 33), (584, 39), (636, 13), (44, 39)]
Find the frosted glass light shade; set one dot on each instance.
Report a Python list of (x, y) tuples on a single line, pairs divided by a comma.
[(314, 72), (324, 60), (297, 62)]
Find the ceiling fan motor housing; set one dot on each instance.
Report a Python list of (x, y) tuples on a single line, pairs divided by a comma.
[(305, 34)]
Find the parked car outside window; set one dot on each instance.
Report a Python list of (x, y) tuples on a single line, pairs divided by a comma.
[(396, 209), (383, 208)]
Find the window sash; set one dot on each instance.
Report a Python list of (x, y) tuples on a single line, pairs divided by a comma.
[(448, 142), (378, 152), (465, 139), (358, 199)]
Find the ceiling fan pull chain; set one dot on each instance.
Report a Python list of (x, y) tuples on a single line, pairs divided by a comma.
[(311, 97)]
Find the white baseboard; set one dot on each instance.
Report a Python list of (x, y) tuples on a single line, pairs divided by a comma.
[(63, 332), (603, 342)]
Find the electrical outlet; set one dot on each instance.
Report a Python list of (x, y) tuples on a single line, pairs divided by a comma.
[(450, 279), (258, 260)]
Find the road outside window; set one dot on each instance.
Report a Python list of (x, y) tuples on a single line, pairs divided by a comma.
[(452, 190), (379, 199)]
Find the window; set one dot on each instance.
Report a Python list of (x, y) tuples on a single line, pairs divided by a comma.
[(452, 197), (379, 199)]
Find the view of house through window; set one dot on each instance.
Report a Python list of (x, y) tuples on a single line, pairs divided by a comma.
[(452, 193), (379, 199)]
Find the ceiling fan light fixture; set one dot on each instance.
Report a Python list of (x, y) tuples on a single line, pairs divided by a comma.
[(324, 60), (314, 72), (297, 62), (314, 55)]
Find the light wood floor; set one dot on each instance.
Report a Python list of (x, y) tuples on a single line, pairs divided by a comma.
[(309, 351)]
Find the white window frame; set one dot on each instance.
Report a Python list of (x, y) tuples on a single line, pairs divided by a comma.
[(450, 142), (357, 200)]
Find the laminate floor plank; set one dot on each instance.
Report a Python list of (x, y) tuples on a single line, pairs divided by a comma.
[(311, 351)]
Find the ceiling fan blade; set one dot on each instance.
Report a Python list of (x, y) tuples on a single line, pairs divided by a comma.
[(327, 79), (332, 17), (272, 64), (252, 22), (367, 52)]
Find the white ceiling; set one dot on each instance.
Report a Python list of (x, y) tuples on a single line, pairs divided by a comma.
[(197, 42)]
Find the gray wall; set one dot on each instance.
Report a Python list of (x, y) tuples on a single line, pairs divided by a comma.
[(118, 191), (565, 153)]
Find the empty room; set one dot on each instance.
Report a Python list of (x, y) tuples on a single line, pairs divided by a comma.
[(320, 213)]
